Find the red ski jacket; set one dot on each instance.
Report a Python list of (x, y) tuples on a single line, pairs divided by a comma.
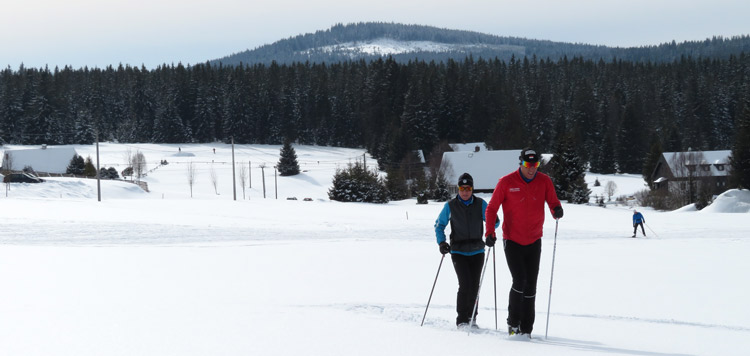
[(523, 206)]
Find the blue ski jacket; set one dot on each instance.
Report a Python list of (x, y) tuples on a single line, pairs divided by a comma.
[(638, 218), (444, 219)]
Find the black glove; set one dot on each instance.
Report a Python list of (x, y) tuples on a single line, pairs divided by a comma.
[(445, 248), (490, 240), (558, 212)]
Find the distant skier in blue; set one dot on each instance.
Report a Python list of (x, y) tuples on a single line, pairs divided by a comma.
[(638, 219)]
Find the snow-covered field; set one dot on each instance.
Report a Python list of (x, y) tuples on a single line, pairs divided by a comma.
[(161, 273)]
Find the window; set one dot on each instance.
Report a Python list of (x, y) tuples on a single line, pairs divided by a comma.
[(719, 167)]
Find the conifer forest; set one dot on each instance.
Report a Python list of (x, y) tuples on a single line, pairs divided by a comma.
[(611, 112)]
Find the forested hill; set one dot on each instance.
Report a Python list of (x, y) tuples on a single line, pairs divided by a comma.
[(613, 113), (372, 40)]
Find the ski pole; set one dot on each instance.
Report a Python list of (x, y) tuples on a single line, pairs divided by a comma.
[(479, 289), (552, 274), (494, 277), (649, 228), (433, 289)]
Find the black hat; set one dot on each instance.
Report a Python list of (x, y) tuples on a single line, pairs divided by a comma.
[(466, 179), (529, 155)]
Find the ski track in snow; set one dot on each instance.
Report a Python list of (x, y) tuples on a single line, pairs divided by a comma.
[(598, 348), (112, 234), (658, 321), (414, 313)]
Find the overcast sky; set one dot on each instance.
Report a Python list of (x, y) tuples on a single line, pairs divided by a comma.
[(97, 33)]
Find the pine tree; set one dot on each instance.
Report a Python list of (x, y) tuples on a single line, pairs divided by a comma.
[(168, 125), (580, 192), (396, 184), (76, 165), (630, 150), (650, 164), (288, 165), (88, 168), (439, 186), (608, 164), (740, 158), (568, 174), (42, 117)]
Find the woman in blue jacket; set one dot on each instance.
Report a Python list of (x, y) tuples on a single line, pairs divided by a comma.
[(465, 215)]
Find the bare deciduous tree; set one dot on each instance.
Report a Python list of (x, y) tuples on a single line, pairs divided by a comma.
[(8, 162), (687, 168), (243, 178), (7, 168), (214, 179), (191, 176), (128, 156), (610, 188), (139, 164)]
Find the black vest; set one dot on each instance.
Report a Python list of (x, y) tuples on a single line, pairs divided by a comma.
[(467, 225)]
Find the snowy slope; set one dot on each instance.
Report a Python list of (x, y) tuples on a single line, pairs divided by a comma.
[(161, 273), (389, 46)]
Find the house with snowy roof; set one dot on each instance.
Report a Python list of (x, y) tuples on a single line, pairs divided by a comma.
[(469, 147), (486, 167), (677, 171), (42, 160)]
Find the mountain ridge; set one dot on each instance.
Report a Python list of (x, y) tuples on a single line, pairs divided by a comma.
[(349, 42)]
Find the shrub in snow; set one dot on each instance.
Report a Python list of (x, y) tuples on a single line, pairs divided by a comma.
[(441, 194), (440, 189), (108, 173), (356, 184)]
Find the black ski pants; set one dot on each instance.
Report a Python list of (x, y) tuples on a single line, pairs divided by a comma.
[(523, 262), (635, 228), (469, 272)]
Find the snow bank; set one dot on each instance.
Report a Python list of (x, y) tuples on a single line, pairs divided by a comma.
[(731, 201)]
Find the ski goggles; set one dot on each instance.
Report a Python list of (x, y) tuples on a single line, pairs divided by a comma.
[(528, 164), (460, 188)]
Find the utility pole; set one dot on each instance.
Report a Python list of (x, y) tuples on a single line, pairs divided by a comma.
[(275, 183), (263, 175), (234, 181), (98, 178)]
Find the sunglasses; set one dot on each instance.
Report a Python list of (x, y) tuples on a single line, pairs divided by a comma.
[(460, 188), (530, 164)]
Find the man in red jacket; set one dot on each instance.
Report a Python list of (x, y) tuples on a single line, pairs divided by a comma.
[(522, 194)]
